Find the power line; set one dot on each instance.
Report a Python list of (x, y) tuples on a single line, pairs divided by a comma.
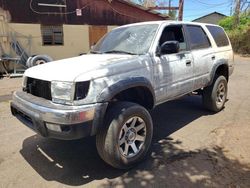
[(209, 4), (200, 14), (202, 9)]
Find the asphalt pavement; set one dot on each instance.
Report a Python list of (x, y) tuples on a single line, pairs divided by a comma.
[(191, 147)]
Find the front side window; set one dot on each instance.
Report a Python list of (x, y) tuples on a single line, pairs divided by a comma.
[(52, 35), (197, 37), (135, 39), (174, 33), (218, 35)]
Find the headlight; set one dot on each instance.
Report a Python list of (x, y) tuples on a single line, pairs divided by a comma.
[(62, 92)]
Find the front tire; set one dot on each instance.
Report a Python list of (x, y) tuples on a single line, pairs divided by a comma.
[(126, 136), (215, 95)]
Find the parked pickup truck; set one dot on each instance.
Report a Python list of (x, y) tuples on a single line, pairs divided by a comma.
[(109, 91)]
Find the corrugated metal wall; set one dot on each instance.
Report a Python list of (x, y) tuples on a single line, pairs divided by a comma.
[(94, 12)]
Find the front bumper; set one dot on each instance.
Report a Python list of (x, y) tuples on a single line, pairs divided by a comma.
[(71, 122)]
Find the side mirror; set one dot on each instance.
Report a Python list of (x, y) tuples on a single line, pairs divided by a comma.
[(169, 47)]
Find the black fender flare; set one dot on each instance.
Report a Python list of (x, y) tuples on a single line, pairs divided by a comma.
[(108, 93), (215, 67)]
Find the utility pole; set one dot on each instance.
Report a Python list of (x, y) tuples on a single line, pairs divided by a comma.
[(169, 5), (169, 8), (180, 14), (237, 13)]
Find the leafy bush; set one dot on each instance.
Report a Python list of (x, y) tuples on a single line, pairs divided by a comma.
[(240, 41), (240, 35), (227, 23)]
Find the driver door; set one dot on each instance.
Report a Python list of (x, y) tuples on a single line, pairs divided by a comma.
[(173, 73)]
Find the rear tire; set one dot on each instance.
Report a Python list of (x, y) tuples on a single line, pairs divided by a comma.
[(126, 136), (215, 95)]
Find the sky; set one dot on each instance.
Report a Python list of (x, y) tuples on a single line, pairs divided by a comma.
[(196, 8)]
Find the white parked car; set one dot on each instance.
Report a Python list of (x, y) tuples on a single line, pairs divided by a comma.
[(132, 69)]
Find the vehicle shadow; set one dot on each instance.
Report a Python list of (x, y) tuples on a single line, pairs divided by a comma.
[(77, 162)]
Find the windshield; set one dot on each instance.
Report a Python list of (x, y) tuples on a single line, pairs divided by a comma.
[(129, 40)]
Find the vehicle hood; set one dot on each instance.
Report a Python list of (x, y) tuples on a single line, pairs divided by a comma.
[(86, 67)]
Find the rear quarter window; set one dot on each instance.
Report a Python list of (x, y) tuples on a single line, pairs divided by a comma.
[(197, 37), (219, 35)]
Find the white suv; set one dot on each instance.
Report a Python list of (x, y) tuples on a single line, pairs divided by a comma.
[(109, 91)]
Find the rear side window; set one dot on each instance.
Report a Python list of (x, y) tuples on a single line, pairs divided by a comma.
[(218, 35), (197, 37)]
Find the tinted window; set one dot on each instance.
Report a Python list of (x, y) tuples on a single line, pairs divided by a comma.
[(198, 38), (218, 35)]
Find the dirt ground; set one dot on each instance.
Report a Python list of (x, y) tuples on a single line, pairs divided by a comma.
[(191, 147)]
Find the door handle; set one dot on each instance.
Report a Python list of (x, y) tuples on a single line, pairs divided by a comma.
[(213, 57), (188, 62)]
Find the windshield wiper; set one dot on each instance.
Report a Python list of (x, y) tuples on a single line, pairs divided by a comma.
[(118, 52)]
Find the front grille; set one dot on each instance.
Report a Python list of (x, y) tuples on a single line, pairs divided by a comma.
[(39, 88)]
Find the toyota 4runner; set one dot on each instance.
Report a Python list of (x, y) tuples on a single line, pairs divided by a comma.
[(109, 91)]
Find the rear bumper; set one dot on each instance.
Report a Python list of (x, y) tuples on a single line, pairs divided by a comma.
[(53, 120)]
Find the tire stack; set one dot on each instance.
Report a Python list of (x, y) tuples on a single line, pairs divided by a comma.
[(38, 60)]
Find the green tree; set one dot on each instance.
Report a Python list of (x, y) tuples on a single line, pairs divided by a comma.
[(240, 35), (228, 22)]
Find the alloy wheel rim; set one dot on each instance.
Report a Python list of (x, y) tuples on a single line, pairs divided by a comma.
[(220, 94), (132, 137)]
